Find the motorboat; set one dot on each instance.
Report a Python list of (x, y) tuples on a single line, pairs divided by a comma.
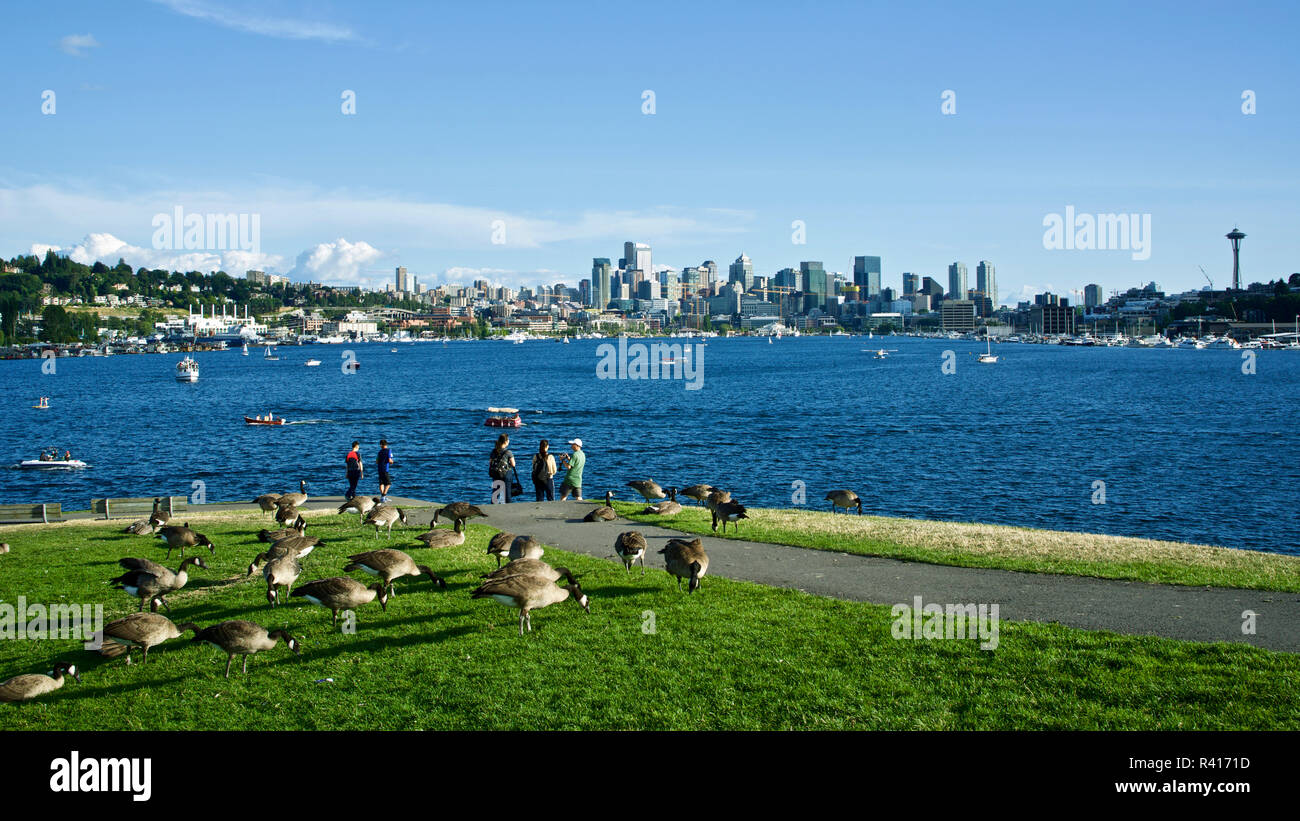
[(504, 418), (187, 370), (50, 461), (269, 419), (312, 363)]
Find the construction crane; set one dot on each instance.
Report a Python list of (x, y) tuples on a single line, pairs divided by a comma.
[(1231, 303)]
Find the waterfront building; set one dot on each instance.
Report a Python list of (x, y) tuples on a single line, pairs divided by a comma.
[(957, 315), (1051, 319)]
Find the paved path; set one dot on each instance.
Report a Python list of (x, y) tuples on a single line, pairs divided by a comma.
[(1191, 613)]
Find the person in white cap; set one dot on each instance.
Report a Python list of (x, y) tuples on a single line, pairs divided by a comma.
[(573, 478)]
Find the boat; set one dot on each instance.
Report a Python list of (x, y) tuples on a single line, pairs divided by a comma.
[(269, 419), (987, 357), (50, 461), (392, 350), (311, 363), (505, 418), (187, 370), (270, 354), (245, 350), (566, 340)]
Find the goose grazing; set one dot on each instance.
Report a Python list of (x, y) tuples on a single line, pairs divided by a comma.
[(181, 537), (845, 499), (298, 528), (528, 593), (686, 560), (359, 504), (668, 508), (294, 499), (648, 488), (716, 497), (296, 546), (243, 638), (282, 571), (267, 502), (385, 516), (287, 514), (728, 512), (525, 547), (630, 546), (143, 630), (32, 685), (389, 565), (342, 593), (533, 567), (443, 538), (499, 546), (604, 513), (699, 493), (459, 512), (148, 580)]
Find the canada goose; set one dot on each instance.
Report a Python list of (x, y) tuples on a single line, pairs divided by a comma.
[(459, 511), (287, 514), (359, 504), (630, 546), (845, 499), (282, 571), (532, 567), (4, 548), (243, 638), (499, 546), (728, 512), (267, 501), (389, 565), (142, 630), (140, 527), (180, 536), (31, 685), (525, 547), (443, 538), (605, 513), (668, 508), (159, 517), (648, 488), (716, 497), (699, 493), (342, 593), (686, 560), (528, 593), (298, 528), (294, 499), (385, 516), (296, 546), (154, 584)]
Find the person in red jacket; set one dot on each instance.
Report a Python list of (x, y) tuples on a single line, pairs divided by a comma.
[(355, 471)]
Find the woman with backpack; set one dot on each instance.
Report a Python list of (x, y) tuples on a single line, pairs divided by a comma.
[(500, 464), (544, 472)]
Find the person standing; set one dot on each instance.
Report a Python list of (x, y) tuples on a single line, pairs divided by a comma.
[(573, 477), (355, 470), (544, 471), (383, 461), (500, 463)]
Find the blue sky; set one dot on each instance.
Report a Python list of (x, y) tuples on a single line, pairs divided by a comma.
[(765, 113)]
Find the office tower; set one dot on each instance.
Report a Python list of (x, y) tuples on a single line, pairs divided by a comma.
[(401, 284), (1092, 296), (866, 275), (887, 295), (957, 281), (986, 281), (637, 255), (815, 283), (910, 283), (932, 289), (600, 282), (789, 278), (709, 270), (668, 285), (742, 271)]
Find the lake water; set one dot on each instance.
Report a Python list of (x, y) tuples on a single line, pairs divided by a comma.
[(1189, 447)]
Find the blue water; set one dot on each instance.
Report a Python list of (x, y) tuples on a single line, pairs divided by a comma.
[(1189, 447)]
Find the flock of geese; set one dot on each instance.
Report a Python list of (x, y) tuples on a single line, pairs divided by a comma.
[(524, 582)]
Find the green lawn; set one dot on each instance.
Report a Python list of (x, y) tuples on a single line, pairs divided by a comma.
[(735, 655), (966, 544)]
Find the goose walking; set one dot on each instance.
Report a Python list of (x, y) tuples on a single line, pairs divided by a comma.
[(360, 504), (630, 546), (342, 593), (181, 537), (604, 513), (243, 638), (668, 508), (499, 546), (686, 560), (282, 571), (267, 501), (459, 512), (648, 488), (33, 685), (389, 565), (385, 516), (529, 593), (699, 493), (728, 511), (845, 499), (143, 630), (147, 580), (294, 499)]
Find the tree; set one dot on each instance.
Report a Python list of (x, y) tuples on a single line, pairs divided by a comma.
[(56, 325)]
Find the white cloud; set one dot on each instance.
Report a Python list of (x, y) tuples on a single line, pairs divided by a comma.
[(76, 44), (281, 27), (336, 263), (106, 248)]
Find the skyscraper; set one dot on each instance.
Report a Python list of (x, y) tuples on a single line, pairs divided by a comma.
[(1092, 296), (401, 283), (742, 271), (866, 275), (957, 281), (637, 255), (600, 283), (986, 281), (910, 283), (815, 283)]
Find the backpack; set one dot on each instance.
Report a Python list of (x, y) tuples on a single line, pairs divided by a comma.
[(499, 464), (539, 468)]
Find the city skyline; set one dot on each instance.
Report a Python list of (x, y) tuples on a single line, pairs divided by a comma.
[(419, 178)]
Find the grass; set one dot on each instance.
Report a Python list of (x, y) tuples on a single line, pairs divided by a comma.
[(735, 656), (999, 546)]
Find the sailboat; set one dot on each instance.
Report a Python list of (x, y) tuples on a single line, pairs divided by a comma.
[(270, 354), (987, 357), (245, 353)]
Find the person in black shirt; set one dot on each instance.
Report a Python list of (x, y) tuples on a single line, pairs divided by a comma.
[(383, 461), (355, 469)]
